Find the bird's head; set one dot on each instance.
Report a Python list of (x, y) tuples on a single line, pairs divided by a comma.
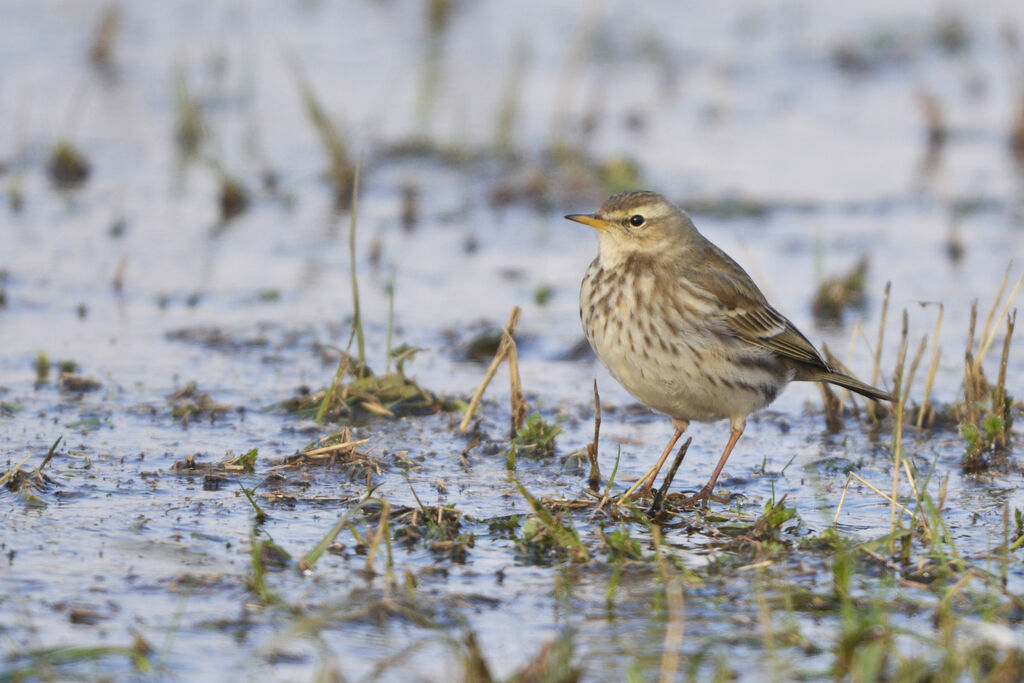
[(634, 222)]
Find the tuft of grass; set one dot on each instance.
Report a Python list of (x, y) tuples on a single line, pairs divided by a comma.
[(986, 414), (439, 528), (190, 129), (307, 561), (367, 398), (41, 364), (542, 294), (257, 582), (865, 639), (67, 166), (76, 384), (247, 461), (622, 546), (341, 171), (337, 450), (544, 536), (26, 483), (189, 403), (837, 294), (619, 174), (536, 437)]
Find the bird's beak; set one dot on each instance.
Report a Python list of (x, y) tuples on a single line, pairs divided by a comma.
[(591, 220)]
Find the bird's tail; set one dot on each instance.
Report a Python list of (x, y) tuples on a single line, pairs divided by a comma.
[(854, 385)]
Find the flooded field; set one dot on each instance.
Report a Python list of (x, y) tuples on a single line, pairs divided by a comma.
[(256, 258)]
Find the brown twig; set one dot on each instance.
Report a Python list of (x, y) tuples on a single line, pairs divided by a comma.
[(503, 349), (659, 497)]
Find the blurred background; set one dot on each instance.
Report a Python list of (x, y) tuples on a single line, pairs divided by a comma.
[(176, 209)]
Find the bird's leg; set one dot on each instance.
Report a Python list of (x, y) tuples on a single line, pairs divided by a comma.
[(705, 493), (646, 484), (647, 489)]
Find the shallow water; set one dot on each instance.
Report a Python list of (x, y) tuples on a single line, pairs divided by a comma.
[(711, 101)]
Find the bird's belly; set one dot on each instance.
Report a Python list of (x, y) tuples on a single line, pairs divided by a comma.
[(690, 378)]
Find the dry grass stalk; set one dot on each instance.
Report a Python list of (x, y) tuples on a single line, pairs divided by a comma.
[(913, 369), (933, 366), (842, 497), (971, 380), (515, 386), (897, 431), (833, 408), (507, 343), (872, 406), (103, 40), (382, 525), (988, 335), (999, 406), (881, 335), (853, 475), (335, 448), (976, 387)]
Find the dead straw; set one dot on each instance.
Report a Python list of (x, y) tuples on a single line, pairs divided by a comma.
[(505, 348), (933, 366), (999, 406), (897, 432)]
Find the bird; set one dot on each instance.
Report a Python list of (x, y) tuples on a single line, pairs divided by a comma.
[(684, 329)]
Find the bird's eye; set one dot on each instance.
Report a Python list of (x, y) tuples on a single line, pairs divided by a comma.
[(636, 220)]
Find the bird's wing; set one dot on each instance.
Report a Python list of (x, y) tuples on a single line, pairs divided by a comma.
[(764, 326), (747, 314)]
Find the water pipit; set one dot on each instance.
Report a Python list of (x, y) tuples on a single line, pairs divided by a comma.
[(683, 327)]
